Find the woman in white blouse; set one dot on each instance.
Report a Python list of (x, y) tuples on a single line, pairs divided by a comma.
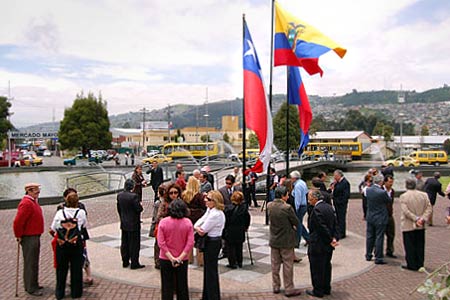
[(69, 252), (212, 224)]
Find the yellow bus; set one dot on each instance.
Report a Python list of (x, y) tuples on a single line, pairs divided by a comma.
[(435, 157), (249, 154), (337, 149), (188, 150)]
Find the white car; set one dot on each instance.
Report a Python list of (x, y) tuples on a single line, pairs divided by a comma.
[(47, 153), (152, 153)]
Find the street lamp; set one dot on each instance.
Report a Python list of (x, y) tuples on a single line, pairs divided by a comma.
[(401, 100), (400, 116), (207, 137)]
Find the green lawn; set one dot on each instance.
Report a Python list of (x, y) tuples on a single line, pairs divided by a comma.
[(445, 180)]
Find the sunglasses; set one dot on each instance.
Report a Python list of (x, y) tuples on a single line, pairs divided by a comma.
[(228, 183), (209, 199), (173, 193)]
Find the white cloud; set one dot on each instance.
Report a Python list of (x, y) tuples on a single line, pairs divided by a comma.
[(134, 52)]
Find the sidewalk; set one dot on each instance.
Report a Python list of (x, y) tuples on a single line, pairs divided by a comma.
[(353, 278), (104, 250)]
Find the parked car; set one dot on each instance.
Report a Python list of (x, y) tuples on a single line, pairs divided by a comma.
[(15, 162), (110, 153), (47, 153), (96, 158), (70, 161), (152, 152), (103, 154), (160, 158), (402, 161), (233, 157), (32, 160)]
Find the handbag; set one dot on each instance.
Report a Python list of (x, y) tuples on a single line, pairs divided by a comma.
[(152, 230), (200, 241)]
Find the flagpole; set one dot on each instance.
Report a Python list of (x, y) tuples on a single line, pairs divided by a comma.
[(287, 122), (271, 55), (244, 183), (270, 104)]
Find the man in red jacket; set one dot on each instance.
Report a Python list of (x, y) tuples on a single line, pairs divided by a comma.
[(28, 227)]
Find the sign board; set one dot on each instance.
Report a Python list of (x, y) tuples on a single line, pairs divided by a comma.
[(155, 125), (32, 135)]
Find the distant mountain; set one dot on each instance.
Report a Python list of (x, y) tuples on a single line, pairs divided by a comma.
[(183, 115), (389, 97)]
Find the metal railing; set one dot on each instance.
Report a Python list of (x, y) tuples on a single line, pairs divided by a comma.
[(96, 182)]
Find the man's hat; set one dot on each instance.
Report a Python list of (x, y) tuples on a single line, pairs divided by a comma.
[(31, 185)]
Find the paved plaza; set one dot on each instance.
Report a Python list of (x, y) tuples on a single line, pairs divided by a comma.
[(353, 277)]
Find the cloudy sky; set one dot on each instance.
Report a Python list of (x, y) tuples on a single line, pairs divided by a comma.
[(150, 53)]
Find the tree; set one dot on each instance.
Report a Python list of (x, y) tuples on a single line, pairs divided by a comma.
[(384, 130), (179, 138), (253, 141), (318, 123), (226, 138), (424, 131), (85, 125), (5, 124), (447, 146), (279, 128), (205, 138), (353, 120)]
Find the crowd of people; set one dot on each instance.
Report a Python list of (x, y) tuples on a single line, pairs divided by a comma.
[(193, 222)]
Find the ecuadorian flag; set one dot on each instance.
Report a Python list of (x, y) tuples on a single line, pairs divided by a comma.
[(299, 44)]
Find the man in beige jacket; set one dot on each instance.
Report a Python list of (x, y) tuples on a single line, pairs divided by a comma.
[(416, 210)]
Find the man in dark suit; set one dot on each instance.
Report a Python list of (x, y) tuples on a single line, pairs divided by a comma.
[(283, 238), (322, 176), (377, 219), (322, 240), (157, 177), (340, 188), (432, 188), (390, 228), (129, 209), (228, 189), (318, 184)]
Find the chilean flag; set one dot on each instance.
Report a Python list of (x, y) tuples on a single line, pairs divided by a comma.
[(297, 96), (256, 104)]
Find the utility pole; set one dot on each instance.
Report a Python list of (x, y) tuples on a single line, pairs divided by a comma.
[(401, 100), (9, 131), (168, 121), (196, 124), (206, 115), (143, 110)]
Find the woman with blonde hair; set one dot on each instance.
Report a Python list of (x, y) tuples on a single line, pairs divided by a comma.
[(196, 204), (211, 224)]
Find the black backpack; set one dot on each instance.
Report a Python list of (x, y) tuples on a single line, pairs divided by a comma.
[(69, 234)]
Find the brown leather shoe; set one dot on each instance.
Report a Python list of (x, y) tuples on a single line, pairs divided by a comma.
[(293, 293), (276, 290)]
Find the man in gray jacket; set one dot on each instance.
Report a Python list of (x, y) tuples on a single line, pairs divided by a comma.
[(283, 238), (416, 210), (377, 219)]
